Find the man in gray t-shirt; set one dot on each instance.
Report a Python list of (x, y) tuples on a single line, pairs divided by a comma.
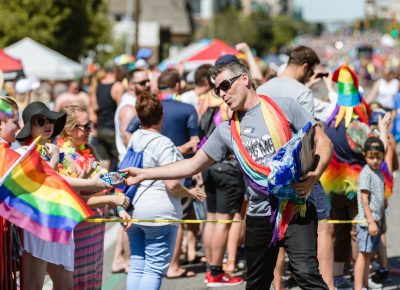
[(234, 85), (257, 141)]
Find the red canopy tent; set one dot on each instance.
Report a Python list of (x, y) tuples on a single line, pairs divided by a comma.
[(11, 67), (213, 51), (201, 52)]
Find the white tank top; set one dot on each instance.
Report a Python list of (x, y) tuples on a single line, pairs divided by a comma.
[(386, 92), (126, 100)]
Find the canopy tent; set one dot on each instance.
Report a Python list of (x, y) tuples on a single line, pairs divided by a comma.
[(42, 62), (11, 67), (201, 52)]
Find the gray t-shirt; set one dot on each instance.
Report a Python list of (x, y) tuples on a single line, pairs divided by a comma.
[(257, 140), (373, 182), (288, 88), (152, 200)]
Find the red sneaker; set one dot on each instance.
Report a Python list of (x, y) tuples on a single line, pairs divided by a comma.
[(208, 274), (223, 279)]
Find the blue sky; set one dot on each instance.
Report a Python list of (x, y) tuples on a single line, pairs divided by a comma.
[(331, 10)]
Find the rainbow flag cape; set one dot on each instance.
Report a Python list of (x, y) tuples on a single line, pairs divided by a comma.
[(342, 178), (34, 197), (285, 166)]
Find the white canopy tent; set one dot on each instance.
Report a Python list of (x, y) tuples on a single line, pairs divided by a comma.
[(42, 62)]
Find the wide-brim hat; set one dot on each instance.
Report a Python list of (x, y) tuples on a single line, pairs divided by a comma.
[(39, 108)]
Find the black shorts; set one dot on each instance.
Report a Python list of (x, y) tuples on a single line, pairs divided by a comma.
[(225, 188)]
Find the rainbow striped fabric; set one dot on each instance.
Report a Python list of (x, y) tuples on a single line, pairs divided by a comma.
[(349, 99), (34, 197), (342, 178), (257, 175)]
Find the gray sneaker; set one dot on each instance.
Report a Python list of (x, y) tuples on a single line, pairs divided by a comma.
[(342, 283), (373, 285)]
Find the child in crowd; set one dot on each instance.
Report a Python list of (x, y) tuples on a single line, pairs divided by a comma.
[(371, 204)]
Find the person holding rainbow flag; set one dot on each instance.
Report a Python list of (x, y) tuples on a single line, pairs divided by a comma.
[(276, 214)]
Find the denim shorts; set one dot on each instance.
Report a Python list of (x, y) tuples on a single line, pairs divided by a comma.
[(366, 242), (318, 198)]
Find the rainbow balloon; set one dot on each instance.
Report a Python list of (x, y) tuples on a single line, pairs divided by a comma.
[(34, 197)]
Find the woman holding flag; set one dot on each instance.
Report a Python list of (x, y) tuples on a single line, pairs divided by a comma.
[(41, 256), (80, 161)]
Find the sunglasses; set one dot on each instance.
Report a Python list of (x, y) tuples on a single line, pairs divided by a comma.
[(225, 85), (142, 83), (41, 121), (87, 127)]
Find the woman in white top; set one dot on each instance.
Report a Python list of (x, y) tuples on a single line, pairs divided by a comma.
[(152, 244), (384, 90), (40, 256)]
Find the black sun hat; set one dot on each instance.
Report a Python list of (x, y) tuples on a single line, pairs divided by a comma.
[(39, 108)]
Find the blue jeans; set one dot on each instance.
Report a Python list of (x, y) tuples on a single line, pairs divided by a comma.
[(152, 248)]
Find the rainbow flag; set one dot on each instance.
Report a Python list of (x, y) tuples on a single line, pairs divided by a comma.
[(34, 197)]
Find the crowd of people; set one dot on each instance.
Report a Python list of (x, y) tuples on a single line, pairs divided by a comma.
[(208, 140)]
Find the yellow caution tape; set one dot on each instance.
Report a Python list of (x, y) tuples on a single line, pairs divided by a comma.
[(343, 221), (101, 220), (104, 220)]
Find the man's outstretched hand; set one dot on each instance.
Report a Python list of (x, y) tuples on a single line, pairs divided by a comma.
[(133, 175)]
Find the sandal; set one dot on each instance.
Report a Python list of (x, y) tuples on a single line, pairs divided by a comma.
[(184, 274)]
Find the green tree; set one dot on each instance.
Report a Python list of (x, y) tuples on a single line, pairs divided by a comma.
[(71, 27), (258, 30)]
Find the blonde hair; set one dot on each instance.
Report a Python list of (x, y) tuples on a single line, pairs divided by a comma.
[(70, 123)]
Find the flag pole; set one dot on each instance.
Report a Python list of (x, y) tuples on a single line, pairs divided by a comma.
[(32, 146)]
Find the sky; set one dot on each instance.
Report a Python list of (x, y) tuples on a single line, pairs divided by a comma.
[(331, 10)]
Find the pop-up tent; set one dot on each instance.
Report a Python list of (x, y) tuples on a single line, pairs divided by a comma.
[(42, 62), (11, 67), (198, 53)]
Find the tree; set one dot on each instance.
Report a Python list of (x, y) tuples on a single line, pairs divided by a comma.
[(258, 30), (71, 27)]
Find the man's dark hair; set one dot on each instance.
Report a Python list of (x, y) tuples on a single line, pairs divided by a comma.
[(303, 54), (374, 144), (234, 67), (202, 74), (168, 79)]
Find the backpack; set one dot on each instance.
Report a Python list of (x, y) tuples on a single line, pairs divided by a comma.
[(133, 158), (208, 122)]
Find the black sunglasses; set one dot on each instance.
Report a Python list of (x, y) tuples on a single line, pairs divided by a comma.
[(225, 85), (87, 127), (143, 83), (41, 121)]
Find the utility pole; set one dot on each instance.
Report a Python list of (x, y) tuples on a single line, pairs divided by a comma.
[(128, 16), (137, 20)]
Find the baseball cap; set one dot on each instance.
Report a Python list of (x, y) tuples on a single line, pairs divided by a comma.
[(226, 58)]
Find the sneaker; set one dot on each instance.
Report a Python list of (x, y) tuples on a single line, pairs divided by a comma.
[(223, 279), (373, 285), (208, 274), (342, 283)]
